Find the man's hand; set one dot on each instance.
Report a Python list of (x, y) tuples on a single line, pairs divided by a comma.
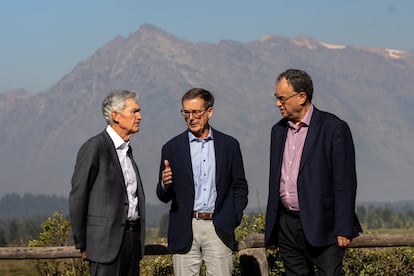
[(167, 174), (343, 241), (83, 254)]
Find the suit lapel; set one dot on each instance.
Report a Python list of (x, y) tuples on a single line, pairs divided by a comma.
[(135, 169), (311, 137), (140, 190), (278, 147), (219, 151), (184, 147), (114, 156)]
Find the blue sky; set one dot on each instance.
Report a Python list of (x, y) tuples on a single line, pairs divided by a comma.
[(42, 40)]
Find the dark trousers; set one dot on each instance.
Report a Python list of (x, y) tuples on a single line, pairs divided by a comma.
[(127, 261), (301, 258)]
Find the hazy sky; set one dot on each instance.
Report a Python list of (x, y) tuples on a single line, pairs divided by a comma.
[(42, 40)]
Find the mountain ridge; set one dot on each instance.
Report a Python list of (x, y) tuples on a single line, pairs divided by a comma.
[(43, 132)]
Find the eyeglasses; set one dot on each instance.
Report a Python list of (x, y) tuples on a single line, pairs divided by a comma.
[(283, 99), (196, 113)]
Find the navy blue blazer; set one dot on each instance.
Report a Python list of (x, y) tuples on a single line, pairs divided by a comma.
[(326, 181), (231, 188)]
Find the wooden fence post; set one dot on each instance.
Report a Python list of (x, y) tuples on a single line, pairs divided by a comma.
[(253, 262), (252, 256)]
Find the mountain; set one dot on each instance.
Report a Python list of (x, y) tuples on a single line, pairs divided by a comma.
[(370, 88)]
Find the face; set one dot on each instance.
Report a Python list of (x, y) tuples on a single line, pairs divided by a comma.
[(288, 101), (127, 121), (197, 124)]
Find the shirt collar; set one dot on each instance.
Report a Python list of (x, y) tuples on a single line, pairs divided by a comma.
[(192, 138), (119, 143), (306, 119)]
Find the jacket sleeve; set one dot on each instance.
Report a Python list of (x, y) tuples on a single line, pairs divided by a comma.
[(82, 180), (239, 183), (345, 181)]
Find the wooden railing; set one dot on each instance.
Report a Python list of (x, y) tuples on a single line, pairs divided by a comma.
[(251, 250)]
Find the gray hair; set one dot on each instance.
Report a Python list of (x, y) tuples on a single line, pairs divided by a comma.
[(116, 101)]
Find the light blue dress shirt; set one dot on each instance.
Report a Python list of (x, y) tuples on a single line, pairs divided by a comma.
[(203, 161)]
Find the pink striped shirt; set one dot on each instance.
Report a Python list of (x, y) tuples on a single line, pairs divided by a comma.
[(292, 155)]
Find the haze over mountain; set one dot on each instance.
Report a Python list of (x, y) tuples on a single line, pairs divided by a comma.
[(370, 88)]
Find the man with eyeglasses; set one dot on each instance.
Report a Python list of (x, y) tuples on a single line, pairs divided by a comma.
[(312, 185), (202, 174)]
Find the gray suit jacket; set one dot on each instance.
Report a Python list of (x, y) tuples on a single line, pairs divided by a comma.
[(98, 202)]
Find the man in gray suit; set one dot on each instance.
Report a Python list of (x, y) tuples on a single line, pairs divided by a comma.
[(107, 202)]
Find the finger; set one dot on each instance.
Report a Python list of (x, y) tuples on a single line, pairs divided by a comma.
[(167, 165), (343, 242)]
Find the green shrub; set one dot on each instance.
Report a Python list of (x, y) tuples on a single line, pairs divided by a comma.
[(157, 266), (379, 261), (357, 261), (54, 232)]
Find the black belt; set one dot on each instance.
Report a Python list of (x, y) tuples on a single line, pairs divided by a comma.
[(295, 214), (133, 225)]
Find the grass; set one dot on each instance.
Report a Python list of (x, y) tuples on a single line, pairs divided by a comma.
[(16, 268)]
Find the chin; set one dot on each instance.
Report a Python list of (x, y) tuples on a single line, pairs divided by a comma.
[(195, 130)]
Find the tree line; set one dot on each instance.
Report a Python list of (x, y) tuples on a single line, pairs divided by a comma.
[(22, 215), (385, 217)]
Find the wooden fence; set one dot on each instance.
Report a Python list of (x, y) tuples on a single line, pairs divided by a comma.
[(251, 250)]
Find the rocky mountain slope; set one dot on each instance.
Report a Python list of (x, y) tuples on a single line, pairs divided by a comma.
[(371, 88)]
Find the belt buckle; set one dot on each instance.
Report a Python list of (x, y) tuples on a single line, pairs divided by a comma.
[(132, 225), (197, 215), (202, 215)]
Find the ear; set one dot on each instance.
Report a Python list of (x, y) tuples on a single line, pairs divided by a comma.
[(115, 116), (210, 112), (303, 97)]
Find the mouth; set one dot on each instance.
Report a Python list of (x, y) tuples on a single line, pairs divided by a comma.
[(192, 123)]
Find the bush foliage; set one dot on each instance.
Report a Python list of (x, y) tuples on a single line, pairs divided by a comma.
[(367, 261), (55, 232)]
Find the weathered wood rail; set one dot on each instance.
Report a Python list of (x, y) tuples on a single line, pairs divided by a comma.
[(251, 250)]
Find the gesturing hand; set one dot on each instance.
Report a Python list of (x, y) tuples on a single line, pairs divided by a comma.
[(167, 174)]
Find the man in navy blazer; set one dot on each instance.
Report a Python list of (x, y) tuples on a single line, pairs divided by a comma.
[(202, 174), (312, 186), (107, 202)]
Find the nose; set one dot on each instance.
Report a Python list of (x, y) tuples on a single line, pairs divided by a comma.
[(191, 116), (278, 103)]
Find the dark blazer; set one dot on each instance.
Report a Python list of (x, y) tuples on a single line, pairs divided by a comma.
[(326, 181), (231, 188), (98, 201)]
